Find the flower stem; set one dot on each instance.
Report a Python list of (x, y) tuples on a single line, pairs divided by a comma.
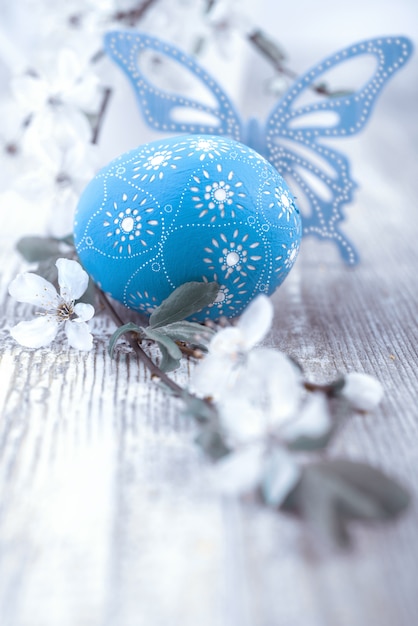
[(316, 387), (100, 117), (330, 389), (141, 354), (132, 16)]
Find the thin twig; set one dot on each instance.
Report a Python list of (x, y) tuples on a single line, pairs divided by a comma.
[(100, 117), (132, 16), (195, 353), (269, 48), (317, 387), (143, 356)]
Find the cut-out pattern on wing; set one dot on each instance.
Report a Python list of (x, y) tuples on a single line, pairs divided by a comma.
[(158, 105), (298, 150), (318, 174)]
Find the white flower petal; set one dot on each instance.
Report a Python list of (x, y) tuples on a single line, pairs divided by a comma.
[(313, 420), (36, 333), (239, 472), (244, 421), (212, 376), (34, 289), (84, 312), (78, 335), (85, 93), (53, 132), (12, 121), (270, 381), (281, 474), (68, 70), (72, 279), (256, 320), (31, 93), (283, 384), (227, 342), (364, 392)]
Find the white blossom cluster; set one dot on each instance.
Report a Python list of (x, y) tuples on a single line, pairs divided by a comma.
[(57, 85), (264, 406)]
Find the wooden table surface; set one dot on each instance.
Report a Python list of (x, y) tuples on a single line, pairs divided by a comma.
[(105, 517)]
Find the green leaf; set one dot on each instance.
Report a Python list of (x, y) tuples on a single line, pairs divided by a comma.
[(167, 342), (212, 443), (170, 352), (182, 302), (280, 476), (198, 409), (304, 443), (311, 429), (188, 332), (332, 493), (68, 240), (168, 362), (48, 270), (336, 386), (35, 249), (126, 328)]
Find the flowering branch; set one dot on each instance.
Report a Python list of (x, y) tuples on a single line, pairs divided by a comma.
[(256, 415), (254, 411), (101, 115), (273, 53), (132, 338)]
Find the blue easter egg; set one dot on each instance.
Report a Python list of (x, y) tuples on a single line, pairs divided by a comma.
[(189, 208)]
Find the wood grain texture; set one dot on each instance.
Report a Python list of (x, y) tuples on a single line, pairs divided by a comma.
[(105, 514)]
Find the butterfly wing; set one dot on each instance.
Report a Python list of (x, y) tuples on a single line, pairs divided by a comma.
[(298, 136), (160, 106)]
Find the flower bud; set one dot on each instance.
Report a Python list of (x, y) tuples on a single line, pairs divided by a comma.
[(364, 392)]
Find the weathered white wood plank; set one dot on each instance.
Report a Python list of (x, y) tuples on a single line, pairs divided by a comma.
[(103, 518)]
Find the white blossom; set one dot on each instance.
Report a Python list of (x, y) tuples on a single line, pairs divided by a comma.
[(229, 347), (262, 405), (312, 420), (57, 183), (364, 392), (245, 469), (240, 471), (60, 80), (60, 310), (265, 395), (13, 158)]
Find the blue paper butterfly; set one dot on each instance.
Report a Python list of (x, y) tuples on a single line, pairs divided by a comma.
[(315, 172)]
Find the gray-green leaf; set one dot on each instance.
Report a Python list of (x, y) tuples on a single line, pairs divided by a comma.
[(188, 332), (126, 328), (36, 249), (212, 443), (200, 410), (168, 362), (279, 478), (89, 296), (182, 302), (332, 493), (171, 347)]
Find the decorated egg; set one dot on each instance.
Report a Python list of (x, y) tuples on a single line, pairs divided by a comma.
[(189, 208)]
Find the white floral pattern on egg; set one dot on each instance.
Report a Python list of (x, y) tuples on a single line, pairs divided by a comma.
[(189, 208)]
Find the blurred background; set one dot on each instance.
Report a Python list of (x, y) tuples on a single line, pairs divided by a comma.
[(55, 81)]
